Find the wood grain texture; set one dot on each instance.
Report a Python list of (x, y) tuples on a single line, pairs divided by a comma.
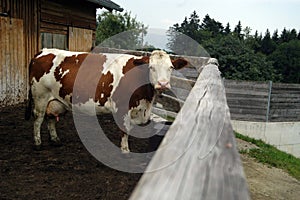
[(80, 39), (13, 73), (198, 158)]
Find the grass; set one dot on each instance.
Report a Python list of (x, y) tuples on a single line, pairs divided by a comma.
[(268, 154), (170, 119)]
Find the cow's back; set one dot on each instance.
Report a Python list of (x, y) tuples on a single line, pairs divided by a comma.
[(95, 76)]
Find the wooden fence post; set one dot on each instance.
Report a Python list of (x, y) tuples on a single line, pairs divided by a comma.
[(197, 158), (269, 101)]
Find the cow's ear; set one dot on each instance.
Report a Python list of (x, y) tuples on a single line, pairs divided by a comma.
[(179, 63), (141, 61)]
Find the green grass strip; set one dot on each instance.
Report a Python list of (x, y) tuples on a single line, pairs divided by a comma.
[(268, 154)]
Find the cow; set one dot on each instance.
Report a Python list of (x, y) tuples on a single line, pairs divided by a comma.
[(105, 79)]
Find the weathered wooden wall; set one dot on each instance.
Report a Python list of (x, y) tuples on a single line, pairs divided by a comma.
[(74, 19), (285, 102), (73, 13), (80, 39), (19, 43), (13, 73), (247, 100), (23, 21), (254, 101), (27, 10), (263, 101), (197, 158)]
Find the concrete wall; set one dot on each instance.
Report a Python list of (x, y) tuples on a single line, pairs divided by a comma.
[(283, 135)]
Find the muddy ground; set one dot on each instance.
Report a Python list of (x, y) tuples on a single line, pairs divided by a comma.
[(71, 172)]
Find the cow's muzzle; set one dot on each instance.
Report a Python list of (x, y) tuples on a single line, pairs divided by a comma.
[(162, 85)]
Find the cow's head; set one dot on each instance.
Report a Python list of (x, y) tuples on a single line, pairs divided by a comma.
[(161, 67)]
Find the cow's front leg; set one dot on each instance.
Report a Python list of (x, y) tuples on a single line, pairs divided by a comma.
[(124, 143), (54, 139)]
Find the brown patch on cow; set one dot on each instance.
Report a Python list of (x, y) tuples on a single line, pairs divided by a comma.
[(134, 75), (129, 65), (127, 94), (179, 63), (86, 70), (40, 66), (140, 61), (104, 88)]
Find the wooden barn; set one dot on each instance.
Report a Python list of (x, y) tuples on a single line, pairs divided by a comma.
[(27, 26)]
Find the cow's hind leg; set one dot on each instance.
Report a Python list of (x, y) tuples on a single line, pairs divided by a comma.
[(40, 105), (39, 113), (54, 139), (124, 143), (124, 136)]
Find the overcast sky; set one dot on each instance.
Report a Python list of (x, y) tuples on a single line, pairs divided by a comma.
[(257, 14)]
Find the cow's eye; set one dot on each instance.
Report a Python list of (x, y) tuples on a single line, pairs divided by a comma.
[(172, 67)]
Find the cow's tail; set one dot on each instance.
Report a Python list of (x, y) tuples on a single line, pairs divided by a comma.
[(28, 111)]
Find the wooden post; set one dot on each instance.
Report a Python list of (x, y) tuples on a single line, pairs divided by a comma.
[(198, 158), (269, 101)]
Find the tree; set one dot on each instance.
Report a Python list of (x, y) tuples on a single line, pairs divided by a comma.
[(253, 42), (184, 38), (241, 55), (293, 34), (267, 44), (211, 25), (287, 61), (247, 32), (238, 30), (275, 36), (181, 43), (110, 24), (237, 61), (227, 30), (284, 37)]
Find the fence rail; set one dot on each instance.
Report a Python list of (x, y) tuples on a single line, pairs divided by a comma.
[(197, 158), (263, 101), (253, 101)]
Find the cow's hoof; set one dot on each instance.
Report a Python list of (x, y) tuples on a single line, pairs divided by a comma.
[(55, 143), (125, 151), (37, 147)]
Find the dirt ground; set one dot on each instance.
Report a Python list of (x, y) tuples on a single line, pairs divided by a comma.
[(70, 172), (267, 182)]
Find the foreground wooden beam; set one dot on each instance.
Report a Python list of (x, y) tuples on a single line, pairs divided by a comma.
[(198, 158)]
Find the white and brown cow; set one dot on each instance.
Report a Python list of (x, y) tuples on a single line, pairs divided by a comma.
[(53, 74)]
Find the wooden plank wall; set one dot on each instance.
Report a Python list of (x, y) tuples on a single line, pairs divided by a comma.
[(197, 158), (247, 101), (74, 13), (285, 102), (27, 10), (22, 45), (50, 16), (80, 39), (13, 73)]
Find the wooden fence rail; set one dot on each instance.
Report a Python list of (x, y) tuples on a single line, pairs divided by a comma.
[(197, 158), (251, 101), (263, 101)]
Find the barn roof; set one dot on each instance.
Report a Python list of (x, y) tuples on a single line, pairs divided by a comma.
[(109, 5)]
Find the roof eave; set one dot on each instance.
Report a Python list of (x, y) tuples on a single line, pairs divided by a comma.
[(107, 4)]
